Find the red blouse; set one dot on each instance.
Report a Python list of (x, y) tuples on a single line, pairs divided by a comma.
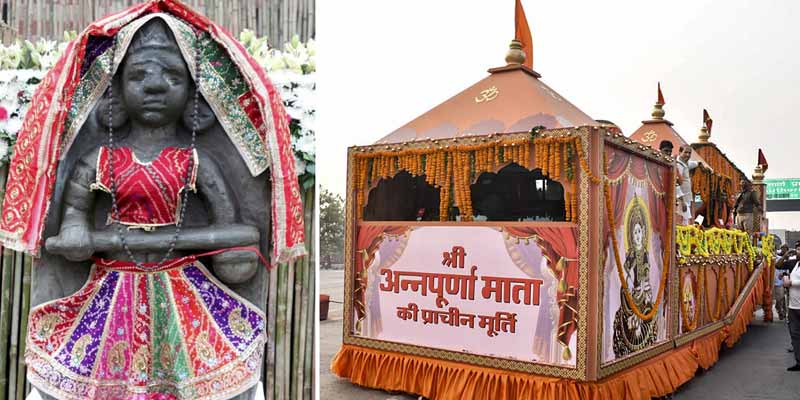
[(148, 194)]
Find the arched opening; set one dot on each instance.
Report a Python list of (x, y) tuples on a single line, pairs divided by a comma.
[(516, 194), (402, 198)]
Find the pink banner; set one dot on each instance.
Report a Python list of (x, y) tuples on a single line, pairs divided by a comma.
[(474, 289)]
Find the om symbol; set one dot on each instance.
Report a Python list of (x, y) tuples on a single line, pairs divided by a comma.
[(487, 95), (649, 136)]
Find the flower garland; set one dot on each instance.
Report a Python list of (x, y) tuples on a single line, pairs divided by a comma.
[(768, 249), (692, 240), (452, 169), (722, 167), (687, 324), (710, 185)]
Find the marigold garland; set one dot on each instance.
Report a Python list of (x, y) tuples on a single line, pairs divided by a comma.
[(692, 240), (453, 169), (721, 166), (768, 249)]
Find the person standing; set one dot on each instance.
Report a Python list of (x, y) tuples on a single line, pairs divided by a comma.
[(683, 191), (747, 203), (792, 281), (778, 290), (665, 147), (787, 261)]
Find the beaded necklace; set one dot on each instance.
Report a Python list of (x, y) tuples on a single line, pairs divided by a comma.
[(185, 193)]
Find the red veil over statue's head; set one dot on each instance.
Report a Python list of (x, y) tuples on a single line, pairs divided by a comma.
[(247, 106)]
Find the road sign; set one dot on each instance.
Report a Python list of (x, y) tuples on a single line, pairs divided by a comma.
[(783, 189)]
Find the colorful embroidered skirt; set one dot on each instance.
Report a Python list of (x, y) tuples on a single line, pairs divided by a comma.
[(175, 333)]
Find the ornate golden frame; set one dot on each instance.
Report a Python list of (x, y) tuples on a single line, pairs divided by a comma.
[(578, 372), (612, 367)]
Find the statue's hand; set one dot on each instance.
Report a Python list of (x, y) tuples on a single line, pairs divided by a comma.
[(73, 242), (235, 267)]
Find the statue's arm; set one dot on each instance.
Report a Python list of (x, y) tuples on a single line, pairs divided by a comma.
[(214, 192), (74, 239), (233, 267)]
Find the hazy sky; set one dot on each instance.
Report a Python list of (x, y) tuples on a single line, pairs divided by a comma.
[(382, 63)]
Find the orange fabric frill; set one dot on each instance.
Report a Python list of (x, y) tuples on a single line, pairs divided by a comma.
[(439, 379)]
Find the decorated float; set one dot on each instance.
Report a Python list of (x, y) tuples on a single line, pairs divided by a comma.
[(506, 245)]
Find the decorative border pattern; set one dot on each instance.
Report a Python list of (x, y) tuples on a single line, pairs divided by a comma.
[(578, 372), (675, 288), (619, 140), (629, 361)]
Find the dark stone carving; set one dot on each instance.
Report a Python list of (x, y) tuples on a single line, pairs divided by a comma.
[(152, 109)]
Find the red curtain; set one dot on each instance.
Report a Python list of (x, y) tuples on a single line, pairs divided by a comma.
[(555, 244), (368, 241), (656, 175), (617, 165)]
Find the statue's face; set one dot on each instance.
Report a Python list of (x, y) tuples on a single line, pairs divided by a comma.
[(155, 86), (638, 236)]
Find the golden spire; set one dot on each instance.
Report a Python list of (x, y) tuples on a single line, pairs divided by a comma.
[(658, 109), (705, 130), (703, 136), (758, 174), (515, 55)]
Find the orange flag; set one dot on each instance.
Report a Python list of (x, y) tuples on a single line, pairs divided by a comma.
[(707, 120), (523, 34), (762, 160)]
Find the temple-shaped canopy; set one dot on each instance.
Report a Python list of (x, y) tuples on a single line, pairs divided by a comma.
[(657, 129), (510, 99)]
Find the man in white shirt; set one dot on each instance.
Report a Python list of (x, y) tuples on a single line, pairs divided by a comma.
[(793, 283), (683, 190)]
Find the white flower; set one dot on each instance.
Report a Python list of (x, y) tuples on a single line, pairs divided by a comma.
[(61, 47), (305, 144), (246, 37), (299, 166), (4, 150), (13, 126), (12, 57), (45, 46), (49, 60)]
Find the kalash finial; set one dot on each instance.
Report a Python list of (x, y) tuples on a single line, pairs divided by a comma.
[(658, 109), (758, 174), (705, 130), (515, 55)]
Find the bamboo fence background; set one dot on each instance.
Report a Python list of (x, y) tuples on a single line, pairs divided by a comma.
[(289, 369), (279, 20)]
